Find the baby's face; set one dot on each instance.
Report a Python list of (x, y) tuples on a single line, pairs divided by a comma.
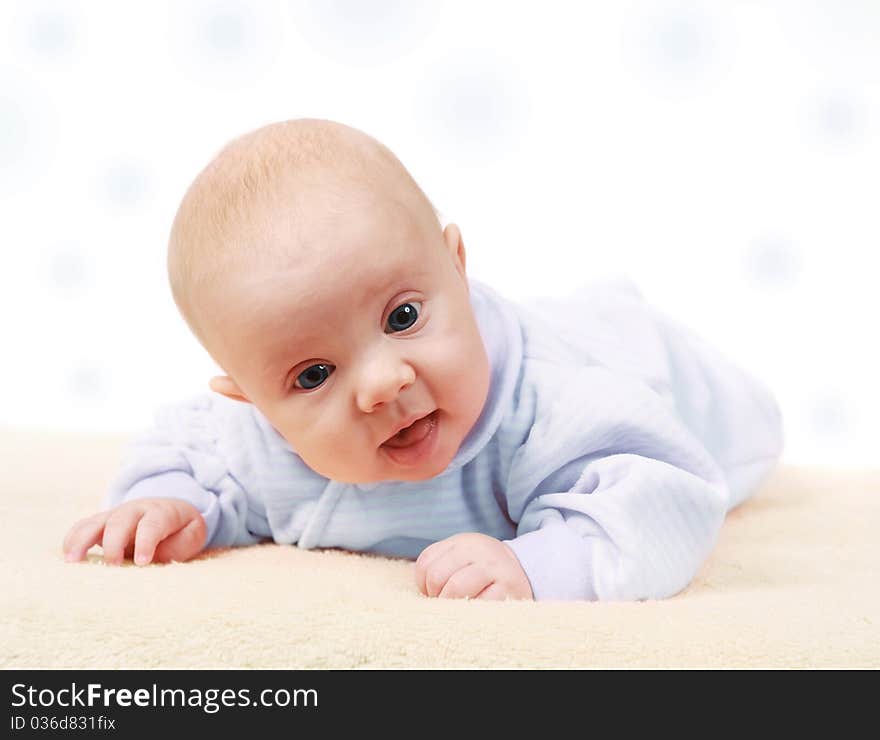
[(369, 327)]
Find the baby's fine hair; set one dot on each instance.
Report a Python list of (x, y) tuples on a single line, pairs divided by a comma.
[(220, 225)]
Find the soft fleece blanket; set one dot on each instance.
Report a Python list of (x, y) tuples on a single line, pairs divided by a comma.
[(792, 583)]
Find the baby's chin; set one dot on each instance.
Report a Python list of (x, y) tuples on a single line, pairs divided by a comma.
[(423, 473), (387, 471), (391, 473)]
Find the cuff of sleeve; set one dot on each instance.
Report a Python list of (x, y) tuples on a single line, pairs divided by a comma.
[(558, 563), (177, 484)]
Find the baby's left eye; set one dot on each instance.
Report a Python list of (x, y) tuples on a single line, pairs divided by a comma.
[(404, 316)]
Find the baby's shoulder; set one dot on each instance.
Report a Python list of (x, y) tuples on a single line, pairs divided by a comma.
[(605, 324), (239, 432)]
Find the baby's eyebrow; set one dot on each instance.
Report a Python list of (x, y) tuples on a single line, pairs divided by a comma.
[(287, 355), (281, 354)]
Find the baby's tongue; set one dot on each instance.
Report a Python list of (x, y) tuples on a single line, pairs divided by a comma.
[(416, 432)]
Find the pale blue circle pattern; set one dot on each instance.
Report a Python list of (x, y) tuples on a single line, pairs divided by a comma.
[(362, 33), (88, 383), (68, 271), (225, 43), (836, 117), (225, 32), (830, 416), (51, 34), (474, 107), (680, 42), (125, 184), (14, 132), (773, 263), (675, 51), (27, 133)]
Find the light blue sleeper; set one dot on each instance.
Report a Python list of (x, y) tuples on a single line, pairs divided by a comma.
[(611, 446)]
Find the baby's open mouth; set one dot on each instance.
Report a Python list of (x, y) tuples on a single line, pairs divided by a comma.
[(414, 433)]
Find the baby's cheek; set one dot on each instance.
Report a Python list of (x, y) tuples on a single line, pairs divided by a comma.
[(449, 351), (331, 446), (465, 365)]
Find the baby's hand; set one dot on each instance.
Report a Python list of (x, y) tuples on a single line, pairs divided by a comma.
[(160, 529), (471, 565)]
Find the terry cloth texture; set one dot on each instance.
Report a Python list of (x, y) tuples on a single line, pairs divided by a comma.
[(792, 583)]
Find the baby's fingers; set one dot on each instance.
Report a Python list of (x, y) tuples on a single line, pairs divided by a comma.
[(82, 535), (425, 561), (184, 543), (152, 528), (441, 568), (466, 583), (119, 531)]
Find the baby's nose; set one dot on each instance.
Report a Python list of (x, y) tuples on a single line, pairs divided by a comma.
[(382, 385)]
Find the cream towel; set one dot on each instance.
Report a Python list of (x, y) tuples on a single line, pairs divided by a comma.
[(793, 582)]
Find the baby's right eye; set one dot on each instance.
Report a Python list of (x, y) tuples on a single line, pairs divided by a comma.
[(313, 376)]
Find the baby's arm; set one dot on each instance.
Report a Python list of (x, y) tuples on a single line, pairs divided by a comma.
[(614, 497), (181, 461), (150, 529), (631, 528)]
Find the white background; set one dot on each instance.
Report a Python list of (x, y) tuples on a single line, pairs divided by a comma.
[(725, 156)]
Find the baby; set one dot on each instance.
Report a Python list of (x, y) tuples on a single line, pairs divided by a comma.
[(377, 399)]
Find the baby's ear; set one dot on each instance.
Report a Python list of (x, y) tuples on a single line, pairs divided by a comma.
[(226, 386), (455, 245)]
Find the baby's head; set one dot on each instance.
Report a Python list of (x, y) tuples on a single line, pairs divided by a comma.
[(315, 272)]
